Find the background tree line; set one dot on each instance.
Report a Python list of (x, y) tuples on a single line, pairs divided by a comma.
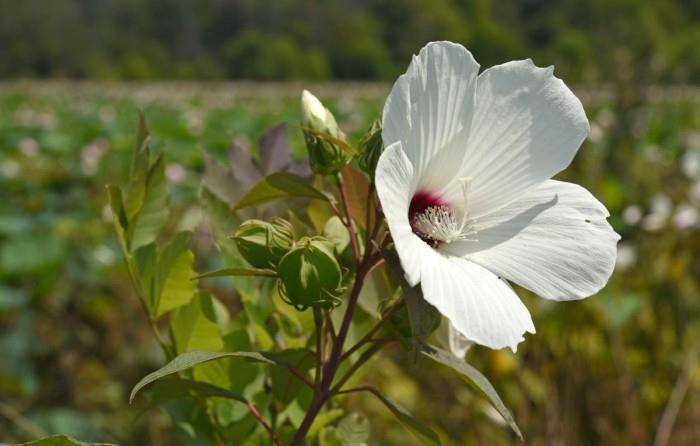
[(590, 41)]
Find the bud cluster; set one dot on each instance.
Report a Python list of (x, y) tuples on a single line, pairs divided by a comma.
[(308, 272)]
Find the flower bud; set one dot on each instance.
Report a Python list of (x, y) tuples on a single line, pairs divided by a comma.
[(263, 244), (309, 275), (328, 149)]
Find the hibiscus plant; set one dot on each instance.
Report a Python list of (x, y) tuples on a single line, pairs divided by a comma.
[(406, 239)]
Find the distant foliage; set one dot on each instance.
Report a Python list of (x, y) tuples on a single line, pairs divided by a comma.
[(613, 41)]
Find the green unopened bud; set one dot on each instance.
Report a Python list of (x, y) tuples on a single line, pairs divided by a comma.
[(371, 147), (328, 148), (309, 275), (263, 244)]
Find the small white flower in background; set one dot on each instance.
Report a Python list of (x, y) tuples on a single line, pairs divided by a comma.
[(686, 216), (29, 147), (626, 256), (690, 164), (9, 169), (194, 118), (695, 192), (104, 255), (632, 215), (91, 155), (175, 173), (107, 113), (465, 186), (596, 134), (661, 206)]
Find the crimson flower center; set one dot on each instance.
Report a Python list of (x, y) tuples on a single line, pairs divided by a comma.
[(435, 221)]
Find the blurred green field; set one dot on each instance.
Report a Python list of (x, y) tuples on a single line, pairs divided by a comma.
[(73, 340)]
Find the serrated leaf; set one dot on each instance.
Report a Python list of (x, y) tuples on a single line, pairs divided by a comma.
[(421, 431), (353, 430), (146, 260), (475, 379), (194, 326), (121, 222), (175, 286), (356, 186), (61, 440), (260, 272), (243, 166), (218, 180), (275, 152), (279, 185), (188, 360), (151, 217), (138, 174), (223, 222)]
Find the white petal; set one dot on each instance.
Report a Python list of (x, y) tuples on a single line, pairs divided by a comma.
[(527, 126), (555, 240), (394, 176), (479, 305), (430, 111), (452, 339)]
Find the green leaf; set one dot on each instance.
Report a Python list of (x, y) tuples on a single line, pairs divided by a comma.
[(239, 272), (279, 185), (188, 360), (475, 379), (218, 180), (353, 430), (325, 136), (61, 440), (138, 175), (175, 287), (422, 432), (356, 187), (329, 436), (423, 317), (153, 214), (335, 231), (146, 261), (121, 223), (371, 147), (324, 419), (194, 326), (285, 386), (169, 389)]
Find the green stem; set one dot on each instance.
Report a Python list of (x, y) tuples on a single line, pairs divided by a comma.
[(348, 215), (364, 357), (331, 366), (258, 416), (318, 322), (368, 336)]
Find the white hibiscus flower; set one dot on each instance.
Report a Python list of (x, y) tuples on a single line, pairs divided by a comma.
[(465, 186)]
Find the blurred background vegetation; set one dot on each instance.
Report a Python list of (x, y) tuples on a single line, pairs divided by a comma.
[(619, 368), (589, 41)]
